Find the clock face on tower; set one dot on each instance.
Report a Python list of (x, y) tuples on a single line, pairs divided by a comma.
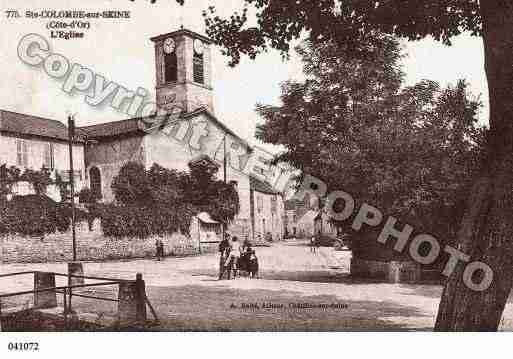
[(169, 46), (198, 46)]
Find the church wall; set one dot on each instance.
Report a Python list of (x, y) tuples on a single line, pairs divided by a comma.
[(110, 156), (167, 150)]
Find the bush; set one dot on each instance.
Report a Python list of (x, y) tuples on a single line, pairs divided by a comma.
[(143, 222), (126, 221), (88, 197), (34, 215), (132, 186), (163, 201)]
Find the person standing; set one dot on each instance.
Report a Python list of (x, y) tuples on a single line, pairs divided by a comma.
[(224, 248), (233, 257), (159, 249)]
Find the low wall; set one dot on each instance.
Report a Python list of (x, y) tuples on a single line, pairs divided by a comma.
[(369, 269), (392, 272), (92, 246)]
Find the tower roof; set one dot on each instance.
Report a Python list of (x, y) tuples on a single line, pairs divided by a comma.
[(182, 32)]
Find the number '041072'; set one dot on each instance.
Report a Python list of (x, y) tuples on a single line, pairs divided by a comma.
[(18, 346)]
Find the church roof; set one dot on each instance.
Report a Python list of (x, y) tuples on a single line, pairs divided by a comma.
[(114, 128), (136, 126), (204, 110), (27, 125)]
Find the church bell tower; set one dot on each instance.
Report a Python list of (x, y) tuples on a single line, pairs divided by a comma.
[(183, 62)]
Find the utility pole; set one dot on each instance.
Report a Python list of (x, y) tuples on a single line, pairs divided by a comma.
[(224, 179), (71, 135), (224, 158)]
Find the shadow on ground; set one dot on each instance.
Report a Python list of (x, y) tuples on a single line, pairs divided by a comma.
[(312, 276), (218, 308)]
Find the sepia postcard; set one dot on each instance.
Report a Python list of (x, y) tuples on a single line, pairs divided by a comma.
[(255, 166)]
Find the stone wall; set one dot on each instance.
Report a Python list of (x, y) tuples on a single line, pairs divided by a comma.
[(393, 272), (92, 246)]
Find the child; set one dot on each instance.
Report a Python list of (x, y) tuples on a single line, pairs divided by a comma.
[(312, 244), (253, 265)]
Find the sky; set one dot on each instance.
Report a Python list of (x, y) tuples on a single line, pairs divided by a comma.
[(121, 51)]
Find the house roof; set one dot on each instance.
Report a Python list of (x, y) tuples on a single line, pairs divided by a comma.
[(261, 186), (22, 124)]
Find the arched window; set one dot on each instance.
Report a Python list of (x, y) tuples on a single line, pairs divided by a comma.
[(95, 180), (170, 67)]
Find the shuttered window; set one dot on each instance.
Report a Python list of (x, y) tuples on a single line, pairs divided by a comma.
[(48, 157), (198, 70), (22, 153)]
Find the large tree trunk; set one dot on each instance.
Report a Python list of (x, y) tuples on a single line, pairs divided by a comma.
[(486, 232)]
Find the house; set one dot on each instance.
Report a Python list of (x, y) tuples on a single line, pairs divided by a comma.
[(31, 142), (323, 225), (315, 222), (300, 215), (305, 218), (267, 210)]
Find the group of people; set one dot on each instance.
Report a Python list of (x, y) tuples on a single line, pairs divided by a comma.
[(235, 257)]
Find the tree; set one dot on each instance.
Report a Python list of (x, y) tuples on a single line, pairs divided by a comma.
[(208, 194), (486, 231), (131, 186), (410, 151), (161, 200)]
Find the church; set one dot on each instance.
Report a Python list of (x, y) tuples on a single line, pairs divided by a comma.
[(183, 65)]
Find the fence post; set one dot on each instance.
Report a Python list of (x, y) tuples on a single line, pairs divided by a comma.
[(76, 268), (132, 300), (141, 297), (48, 299)]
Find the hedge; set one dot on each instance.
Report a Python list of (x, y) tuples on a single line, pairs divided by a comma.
[(143, 222), (33, 215)]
